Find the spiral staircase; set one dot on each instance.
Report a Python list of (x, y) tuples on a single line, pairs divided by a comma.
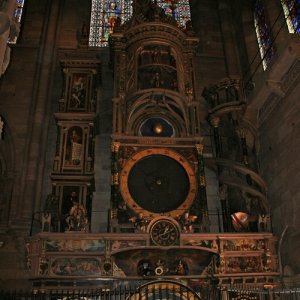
[(241, 188)]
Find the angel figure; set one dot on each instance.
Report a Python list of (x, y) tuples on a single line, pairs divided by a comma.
[(139, 222), (187, 221)]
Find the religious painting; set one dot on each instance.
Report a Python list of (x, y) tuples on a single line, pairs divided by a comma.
[(119, 245), (76, 266), (74, 245), (78, 92), (74, 147), (243, 264), (70, 196), (199, 242)]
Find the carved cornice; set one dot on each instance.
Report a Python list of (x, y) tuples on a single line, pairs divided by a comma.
[(79, 58), (155, 30), (60, 116), (157, 141)]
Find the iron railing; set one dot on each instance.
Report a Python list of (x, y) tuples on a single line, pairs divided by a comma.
[(157, 292)]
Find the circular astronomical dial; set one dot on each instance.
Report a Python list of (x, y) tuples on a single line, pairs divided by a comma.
[(158, 181), (164, 232), (156, 127)]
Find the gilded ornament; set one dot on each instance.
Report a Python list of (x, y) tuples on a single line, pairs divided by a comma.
[(202, 180), (115, 146)]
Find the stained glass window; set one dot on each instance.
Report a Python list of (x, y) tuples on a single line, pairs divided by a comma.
[(291, 10), (179, 8), (17, 15), (263, 34), (105, 14)]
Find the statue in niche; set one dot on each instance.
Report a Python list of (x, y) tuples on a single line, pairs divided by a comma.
[(77, 219), (156, 81), (78, 92), (144, 268), (84, 31), (189, 28), (174, 84), (180, 268), (46, 221), (156, 55), (74, 146), (172, 60), (264, 223), (189, 93)]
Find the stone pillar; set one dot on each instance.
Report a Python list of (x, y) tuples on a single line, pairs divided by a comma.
[(230, 49), (37, 133)]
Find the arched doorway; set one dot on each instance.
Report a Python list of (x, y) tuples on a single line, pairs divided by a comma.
[(165, 290)]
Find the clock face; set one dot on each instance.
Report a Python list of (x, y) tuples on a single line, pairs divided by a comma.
[(158, 181), (164, 232)]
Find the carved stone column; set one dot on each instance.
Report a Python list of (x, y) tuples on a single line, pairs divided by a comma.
[(230, 49)]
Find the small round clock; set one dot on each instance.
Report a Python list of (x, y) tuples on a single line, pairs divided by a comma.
[(164, 232)]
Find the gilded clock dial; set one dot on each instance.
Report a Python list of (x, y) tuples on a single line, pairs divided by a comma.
[(164, 233), (156, 181)]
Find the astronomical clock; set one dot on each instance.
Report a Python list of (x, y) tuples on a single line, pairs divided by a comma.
[(158, 225), (158, 180)]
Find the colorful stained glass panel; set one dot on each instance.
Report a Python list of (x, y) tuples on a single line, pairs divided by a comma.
[(17, 15), (263, 34), (291, 10), (179, 8), (105, 14)]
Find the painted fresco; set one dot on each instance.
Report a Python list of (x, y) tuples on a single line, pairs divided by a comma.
[(243, 245), (75, 245), (119, 245), (247, 264), (74, 266)]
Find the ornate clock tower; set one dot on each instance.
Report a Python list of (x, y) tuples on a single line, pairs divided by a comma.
[(160, 241), (157, 162)]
